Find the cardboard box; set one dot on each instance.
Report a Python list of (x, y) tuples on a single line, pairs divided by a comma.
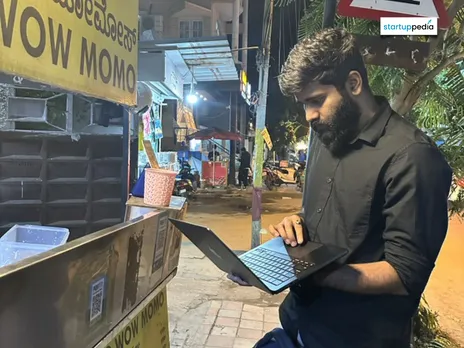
[(169, 245)]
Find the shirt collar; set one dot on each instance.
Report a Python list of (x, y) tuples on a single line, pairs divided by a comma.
[(372, 132)]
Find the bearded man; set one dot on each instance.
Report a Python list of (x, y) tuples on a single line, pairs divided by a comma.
[(375, 185)]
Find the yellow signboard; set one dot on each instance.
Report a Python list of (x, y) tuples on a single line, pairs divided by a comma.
[(84, 46), (267, 138), (149, 329)]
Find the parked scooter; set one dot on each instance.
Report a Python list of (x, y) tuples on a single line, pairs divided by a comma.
[(285, 175), (186, 183)]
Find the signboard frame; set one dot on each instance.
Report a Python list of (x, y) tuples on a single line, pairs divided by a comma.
[(394, 52), (86, 50), (347, 9)]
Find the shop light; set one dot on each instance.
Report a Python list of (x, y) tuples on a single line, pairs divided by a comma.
[(192, 98)]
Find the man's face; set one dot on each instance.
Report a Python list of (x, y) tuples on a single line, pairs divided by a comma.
[(333, 116)]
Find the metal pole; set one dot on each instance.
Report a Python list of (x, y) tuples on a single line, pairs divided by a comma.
[(230, 182), (126, 159), (235, 29), (330, 9), (259, 141), (245, 36), (233, 129)]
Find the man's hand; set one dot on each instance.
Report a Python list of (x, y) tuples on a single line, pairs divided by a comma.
[(237, 280), (290, 229)]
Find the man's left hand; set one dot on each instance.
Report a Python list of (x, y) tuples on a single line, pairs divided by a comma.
[(237, 280)]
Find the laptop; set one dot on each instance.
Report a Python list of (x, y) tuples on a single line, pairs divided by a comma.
[(271, 267)]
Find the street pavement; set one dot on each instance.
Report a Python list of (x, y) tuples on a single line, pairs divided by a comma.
[(208, 310)]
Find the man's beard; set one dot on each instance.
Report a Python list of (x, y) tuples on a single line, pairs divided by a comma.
[(341, 129)]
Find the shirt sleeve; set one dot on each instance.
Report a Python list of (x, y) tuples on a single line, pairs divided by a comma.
[(417, 184)]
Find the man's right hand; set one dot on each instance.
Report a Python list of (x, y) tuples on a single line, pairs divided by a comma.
[(290, 229)]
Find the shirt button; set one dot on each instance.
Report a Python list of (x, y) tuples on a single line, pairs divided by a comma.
[(329, 180), (319, 210)]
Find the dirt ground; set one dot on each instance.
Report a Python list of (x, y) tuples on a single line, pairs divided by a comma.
[(229, 216)]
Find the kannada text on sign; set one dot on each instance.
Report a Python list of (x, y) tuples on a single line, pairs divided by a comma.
[(84, 46)]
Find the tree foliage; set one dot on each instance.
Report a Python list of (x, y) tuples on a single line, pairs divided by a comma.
[(288, 124)]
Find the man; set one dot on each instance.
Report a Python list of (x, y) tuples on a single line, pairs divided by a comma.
[(245, 165), (213, 155), (302, 156), (375, 185)]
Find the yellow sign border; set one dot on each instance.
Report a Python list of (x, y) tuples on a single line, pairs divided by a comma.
[(147, 326), (83, 46)]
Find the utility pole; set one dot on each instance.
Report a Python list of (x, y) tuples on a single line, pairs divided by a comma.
[(263, 62), (245, 35), (330, 8)]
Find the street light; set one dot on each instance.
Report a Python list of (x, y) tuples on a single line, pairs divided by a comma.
[(192, 98)]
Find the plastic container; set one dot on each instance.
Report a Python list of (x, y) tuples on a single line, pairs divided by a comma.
[(23, 241), (159, 184), (33, 234), (14, 252)]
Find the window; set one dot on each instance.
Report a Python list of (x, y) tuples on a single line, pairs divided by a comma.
[(189, 29)]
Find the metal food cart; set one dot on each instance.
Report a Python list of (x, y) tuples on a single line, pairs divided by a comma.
[(107, 289)]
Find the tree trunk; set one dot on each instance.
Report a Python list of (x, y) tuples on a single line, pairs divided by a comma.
[(407, 97)]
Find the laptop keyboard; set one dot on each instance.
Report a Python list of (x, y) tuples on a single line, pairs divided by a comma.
[(274, 267)]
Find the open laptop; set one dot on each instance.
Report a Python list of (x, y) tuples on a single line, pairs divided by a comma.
[(271, 267)]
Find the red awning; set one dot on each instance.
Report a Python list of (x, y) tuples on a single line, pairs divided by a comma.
[(214, 133)]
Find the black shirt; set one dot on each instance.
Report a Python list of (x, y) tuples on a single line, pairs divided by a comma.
[(386, 199)]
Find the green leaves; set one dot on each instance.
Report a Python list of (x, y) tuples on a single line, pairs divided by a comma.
[(427, 331)]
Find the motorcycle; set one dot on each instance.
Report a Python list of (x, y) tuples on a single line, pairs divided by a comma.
[(269, 177), (186, 182), (300, 174)]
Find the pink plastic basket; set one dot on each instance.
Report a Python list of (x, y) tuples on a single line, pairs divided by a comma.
[(159, 184)]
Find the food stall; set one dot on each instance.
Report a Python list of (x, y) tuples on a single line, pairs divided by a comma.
[(107, 288), (214, 173)]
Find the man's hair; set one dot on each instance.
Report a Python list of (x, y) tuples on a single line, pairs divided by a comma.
[(242, 149), (327, 57)]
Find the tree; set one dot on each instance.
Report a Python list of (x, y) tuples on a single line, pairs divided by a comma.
[(286, 123)]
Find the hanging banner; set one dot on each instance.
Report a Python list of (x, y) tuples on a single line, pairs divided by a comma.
[(141, 136), (267, 138), (83, 46), (158, 129)]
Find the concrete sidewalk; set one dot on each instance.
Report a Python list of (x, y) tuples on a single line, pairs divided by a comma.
[(208, 310)]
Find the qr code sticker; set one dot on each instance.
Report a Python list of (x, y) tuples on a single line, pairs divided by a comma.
[(159, 244), (97, 296)]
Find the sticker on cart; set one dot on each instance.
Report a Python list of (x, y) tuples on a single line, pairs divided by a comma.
[(97, 300), (160, 243)]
